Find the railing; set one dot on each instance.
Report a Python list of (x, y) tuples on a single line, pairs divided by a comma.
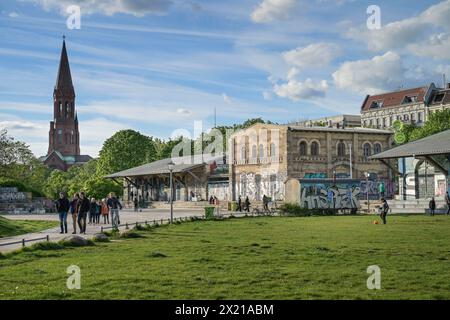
[(263, 160), (24, 241)]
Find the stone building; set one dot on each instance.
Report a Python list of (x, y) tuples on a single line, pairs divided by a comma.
[(64, 136), (340, 121), (412, 106), (263, 158)]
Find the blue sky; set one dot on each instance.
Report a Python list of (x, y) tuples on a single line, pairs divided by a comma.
[(159, 65)]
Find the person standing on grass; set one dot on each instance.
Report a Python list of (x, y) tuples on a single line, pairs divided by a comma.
[(62, 206), (432, 206), (447, 201), (114, 206), (247, 204), (92, 208), (83, 208), (105, 211), (384, 210), (74, 211)]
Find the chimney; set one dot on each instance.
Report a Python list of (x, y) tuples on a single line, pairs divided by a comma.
[(444, 81)]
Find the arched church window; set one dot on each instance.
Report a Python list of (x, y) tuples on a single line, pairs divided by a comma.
[(341, 149), (303, 147)]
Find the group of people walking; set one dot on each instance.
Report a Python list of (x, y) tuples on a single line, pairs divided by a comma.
[(81, 209)]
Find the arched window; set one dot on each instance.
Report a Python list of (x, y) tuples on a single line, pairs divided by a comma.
[(254, 155), (314, 149), (67, 109), (60, 108), (71, 137), (243, 155), (341, 149), (303, 147), (367, 150), (261, 151), (273, 150), (376, 148)]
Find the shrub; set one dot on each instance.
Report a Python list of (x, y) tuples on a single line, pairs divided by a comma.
[(6, 182), (296, 210), (131, 234), (46, 246)]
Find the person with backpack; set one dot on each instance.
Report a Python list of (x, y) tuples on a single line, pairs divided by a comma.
[(104, 211), (62, 207), (83, 208), (432, 206), (114, 206), (384, 210)]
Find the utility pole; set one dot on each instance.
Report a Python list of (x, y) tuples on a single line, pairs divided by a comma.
[(351, 160)]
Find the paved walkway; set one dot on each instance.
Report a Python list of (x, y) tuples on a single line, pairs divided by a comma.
[(126, 216)]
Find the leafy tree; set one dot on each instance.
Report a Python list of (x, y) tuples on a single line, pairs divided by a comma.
[(12, 154), (124, 150), (56, 182)]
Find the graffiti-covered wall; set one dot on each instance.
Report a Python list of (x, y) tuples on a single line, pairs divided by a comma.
[(323, 194), (255, 186)]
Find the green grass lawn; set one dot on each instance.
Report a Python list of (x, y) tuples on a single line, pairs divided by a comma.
[(249, 258), (15, 227)]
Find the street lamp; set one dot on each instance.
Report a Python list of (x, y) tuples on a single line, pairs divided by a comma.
[(170, 166), (367, 174)]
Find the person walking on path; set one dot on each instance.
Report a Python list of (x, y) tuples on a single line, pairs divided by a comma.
[(105, 211), (136, 204), (74, 211), (114, 206), (63, 207), (83, 208), (239, 207), (384, 210), (447, 201), (247, 204), (92, 208), (265, 203), (98, 210), (432, 206)]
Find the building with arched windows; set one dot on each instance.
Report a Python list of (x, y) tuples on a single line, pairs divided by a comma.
[(283, 152)]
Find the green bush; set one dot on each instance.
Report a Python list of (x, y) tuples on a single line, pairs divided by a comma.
[(6, 182), (131, 235), (291, 209)]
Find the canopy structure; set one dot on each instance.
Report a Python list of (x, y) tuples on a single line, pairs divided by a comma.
[(435, 149)]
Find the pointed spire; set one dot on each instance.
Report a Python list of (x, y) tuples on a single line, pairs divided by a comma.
[(64, 79)]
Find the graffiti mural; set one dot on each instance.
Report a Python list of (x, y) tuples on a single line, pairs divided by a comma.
[(325, 194), (12, 195), (255, 186), (220, 190)]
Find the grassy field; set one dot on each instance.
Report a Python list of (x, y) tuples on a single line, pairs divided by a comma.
[(15, 227), (250, 258)]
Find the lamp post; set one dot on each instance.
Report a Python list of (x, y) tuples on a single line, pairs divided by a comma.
[(170, 166), (367, 174)]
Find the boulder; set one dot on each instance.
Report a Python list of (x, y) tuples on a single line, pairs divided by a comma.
[(101, 237), (76, 240)]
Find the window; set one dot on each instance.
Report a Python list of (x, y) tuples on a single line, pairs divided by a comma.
[(261, 151), (376, 148), (405, 117), (409, 99), (378, 123), (384, 122), (67, 109), (273, 150), (243, 153), (365, 123), (60, 109), (439, 97), (413, 117), (314, 149), (60, 136), (391, 121), (370, 123), (341, 149), (254, 152), (71, 137), (420, 117), (367, 150), (376, 104), (303, 148)]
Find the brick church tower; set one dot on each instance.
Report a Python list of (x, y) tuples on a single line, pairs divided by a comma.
[(64, 135)]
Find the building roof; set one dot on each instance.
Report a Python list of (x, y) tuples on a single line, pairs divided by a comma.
[(433, 145), (341, 130), (181, 164), (77, 159), (64, 79), (440, 97), (395, 98)]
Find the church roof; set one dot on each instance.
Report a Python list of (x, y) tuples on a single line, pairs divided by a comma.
[(64, 79), (77, 159)]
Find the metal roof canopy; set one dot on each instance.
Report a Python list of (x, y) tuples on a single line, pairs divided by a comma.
[(181, 164), (431, 148)]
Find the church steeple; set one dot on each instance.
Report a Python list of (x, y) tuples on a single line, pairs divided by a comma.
[(64, 85)]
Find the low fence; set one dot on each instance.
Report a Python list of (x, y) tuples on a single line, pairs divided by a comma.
[(25, 241)]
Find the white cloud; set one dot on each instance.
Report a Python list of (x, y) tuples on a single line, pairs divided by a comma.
[(226, 98), (409, 34), (371, 76), (13, 14), (297, 90), (270, 10), (108, 7), (313, 55), (183, 111)]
